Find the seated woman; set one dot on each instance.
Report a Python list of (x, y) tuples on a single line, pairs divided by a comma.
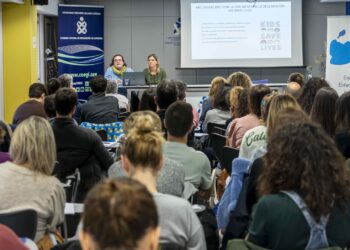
[(221, 107), (323, 109), (171, 177), (237, 128), (318, 181), (119, 214), (116, 70), (142, 158), (154, 73), (26, 183), (342, 123)]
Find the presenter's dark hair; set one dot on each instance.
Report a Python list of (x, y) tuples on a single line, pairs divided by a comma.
[(36, 90), (118, 213), (111, 64), (65, 101), (222, 97), (147, 100), (256, 94), (52, 86), (308, 92), (181, 87), (166, 93), (342, 113), (178, 118), (98, 84)]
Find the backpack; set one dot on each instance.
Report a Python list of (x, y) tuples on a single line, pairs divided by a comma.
[(318, 238)]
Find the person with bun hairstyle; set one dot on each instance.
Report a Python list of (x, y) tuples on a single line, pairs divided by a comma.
[(119, 214), (154, 74), (142, 158)]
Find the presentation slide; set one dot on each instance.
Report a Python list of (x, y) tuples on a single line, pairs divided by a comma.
[(240, 33), (241, 30)]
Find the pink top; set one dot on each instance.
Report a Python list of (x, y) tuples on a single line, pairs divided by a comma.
[(237, 128)]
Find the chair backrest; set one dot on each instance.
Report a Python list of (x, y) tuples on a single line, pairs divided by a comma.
[(217, 142), (122, 116), (228, 155), (23, 223), (211, 126), (170, 246)]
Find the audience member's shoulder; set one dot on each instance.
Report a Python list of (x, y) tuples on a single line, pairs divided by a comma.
[(171, 201)]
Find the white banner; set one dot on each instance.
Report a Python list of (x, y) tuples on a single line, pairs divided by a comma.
[(338, 53)]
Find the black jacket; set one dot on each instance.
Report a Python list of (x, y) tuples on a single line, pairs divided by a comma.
[(79, 148), (100, 109)]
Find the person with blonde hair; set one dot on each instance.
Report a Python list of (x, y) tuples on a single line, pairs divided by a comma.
[(142, 158), (154, 74), (119, 214), (26, 183), (171, 177), (240, 79)]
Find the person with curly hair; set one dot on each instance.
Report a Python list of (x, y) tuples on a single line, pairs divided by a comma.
[(319, 178), (308, 92), (240, 79)]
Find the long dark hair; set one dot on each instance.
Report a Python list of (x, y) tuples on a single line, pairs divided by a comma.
[(342, 113), (308, 92), (319, 175), (323, 109)]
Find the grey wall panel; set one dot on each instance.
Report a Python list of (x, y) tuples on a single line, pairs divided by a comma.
[(171, 8), (117, 8), (147, 8), (204, 76), (171, 59), (118, 38), (147, 38), (315, 7)]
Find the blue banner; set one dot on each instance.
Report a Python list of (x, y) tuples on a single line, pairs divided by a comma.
[(80, 44)]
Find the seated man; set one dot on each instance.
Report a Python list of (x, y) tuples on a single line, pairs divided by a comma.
[(99, 108), (77, 147), (34, 106), (178, 122)]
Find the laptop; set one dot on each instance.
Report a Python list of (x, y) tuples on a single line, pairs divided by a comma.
[(133, 79)]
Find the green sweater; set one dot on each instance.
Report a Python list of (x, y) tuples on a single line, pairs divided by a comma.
[(154, 79), (279, 224)]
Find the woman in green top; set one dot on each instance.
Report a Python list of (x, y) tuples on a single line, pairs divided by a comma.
[(301, 157), (154, 73)]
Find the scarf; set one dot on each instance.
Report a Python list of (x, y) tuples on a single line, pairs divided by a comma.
[(119, 72)]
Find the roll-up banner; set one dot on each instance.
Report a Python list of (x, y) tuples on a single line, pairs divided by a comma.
[(338, 53), (80, 44)]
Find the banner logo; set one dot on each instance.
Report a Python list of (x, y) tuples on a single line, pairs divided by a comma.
[(81, 26)]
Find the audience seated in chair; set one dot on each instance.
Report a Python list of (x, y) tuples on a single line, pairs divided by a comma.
[(239, 126), (26, 183), (147, 101), (34, 106), (112, 90), (66, 81), (221, 107), (342, 121), (77, 147), (178, 122), (166, 94), (323, 109), (319, 180), (120, 214), (171, 177), (99, 108), (142, 159)]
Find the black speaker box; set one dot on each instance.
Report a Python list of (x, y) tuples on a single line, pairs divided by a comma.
[(41, 2)]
